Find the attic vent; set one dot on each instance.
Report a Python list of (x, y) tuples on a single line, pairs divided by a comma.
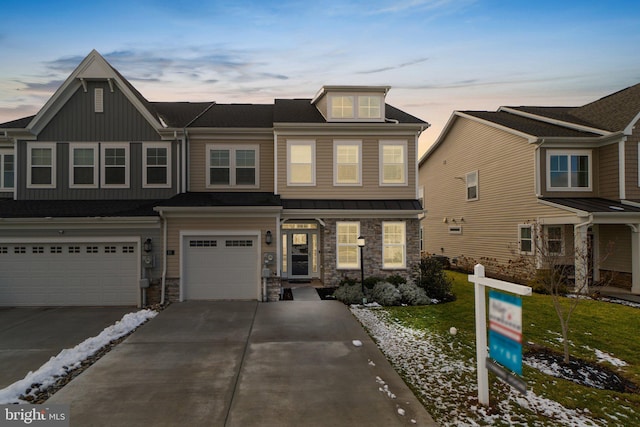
[(98, 100)]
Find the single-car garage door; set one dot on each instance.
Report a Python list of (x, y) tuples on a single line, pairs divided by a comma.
[(69, 273), (220, 267)]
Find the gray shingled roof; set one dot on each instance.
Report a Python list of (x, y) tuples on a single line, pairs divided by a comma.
[(592, 204), (528, 126), (221, 199), (76, 208), (314, 204), (179, 114), (236, 115)]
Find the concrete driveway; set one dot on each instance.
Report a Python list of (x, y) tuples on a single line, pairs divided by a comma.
[(289, 363), (30, 336)]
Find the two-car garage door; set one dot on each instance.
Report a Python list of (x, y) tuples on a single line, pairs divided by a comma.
[(220, 267), (69, 273)]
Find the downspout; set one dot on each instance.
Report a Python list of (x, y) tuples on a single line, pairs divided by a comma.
[(164, 257), (275, 162), (184, 187)]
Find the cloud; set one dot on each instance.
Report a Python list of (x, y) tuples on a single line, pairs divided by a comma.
[(406, 64)]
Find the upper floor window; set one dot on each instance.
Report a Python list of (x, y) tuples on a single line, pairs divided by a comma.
[(472, 185), (301, 168), (358, 107), (83, 159), (342, 107), (7, 170), (347, 250), (115, 165), (569, 171), (347, 162), (393, 163), (41, 159), (232, 166), (156, 168), (369, 107), (394, 246)]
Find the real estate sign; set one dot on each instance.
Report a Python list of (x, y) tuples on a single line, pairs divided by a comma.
[(505, 330)]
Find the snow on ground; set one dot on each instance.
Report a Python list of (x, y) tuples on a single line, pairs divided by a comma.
[(68, 359), (450, 384)]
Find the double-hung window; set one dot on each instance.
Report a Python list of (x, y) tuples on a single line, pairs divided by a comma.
[(554, 240), (394, 248), (472, 185), (115, 166), (347, 250), (525, 239), (393, 163), (347, 162), (569, 170), (83, 160), (301, 156), (7, 170), (232, 166), (41, 159), (156, 168)]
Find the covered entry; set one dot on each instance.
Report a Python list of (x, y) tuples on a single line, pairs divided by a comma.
[(218, 267), (300, 250)]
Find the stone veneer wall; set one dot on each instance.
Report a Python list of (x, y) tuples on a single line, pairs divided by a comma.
[(171, 291), (371, 230)]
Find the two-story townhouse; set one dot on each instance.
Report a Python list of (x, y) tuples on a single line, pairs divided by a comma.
[(492, 178), (103, 192)]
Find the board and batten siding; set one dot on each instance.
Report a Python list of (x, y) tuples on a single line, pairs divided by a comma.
[(64, 192), (615, 247), (506, 192), (220, 225), (198, 174), (77, 120), (324, 187)]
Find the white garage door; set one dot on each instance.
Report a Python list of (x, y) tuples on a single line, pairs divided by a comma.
[(69, 273), (220, 267)]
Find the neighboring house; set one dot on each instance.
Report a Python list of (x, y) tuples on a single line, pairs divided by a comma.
[(492, 178), (103, 192)]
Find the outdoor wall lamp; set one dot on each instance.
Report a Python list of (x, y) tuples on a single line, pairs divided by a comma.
[(268, 238), (148, 246), (360, 242)]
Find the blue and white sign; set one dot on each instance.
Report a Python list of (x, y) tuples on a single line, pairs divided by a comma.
[(505, 330)]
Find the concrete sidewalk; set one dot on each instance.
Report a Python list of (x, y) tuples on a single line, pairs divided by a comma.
[(244, 364)]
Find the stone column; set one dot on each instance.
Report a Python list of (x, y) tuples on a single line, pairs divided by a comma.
[(581, 258)]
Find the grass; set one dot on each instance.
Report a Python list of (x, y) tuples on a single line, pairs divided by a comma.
[(608, 327)]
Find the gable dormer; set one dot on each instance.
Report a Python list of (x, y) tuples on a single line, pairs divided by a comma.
[(352, 103)]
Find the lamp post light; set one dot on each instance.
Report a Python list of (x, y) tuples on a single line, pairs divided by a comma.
[(361, 246)]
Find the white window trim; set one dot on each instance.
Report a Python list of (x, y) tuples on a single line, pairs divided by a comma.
[(311, 143), (381, 146), (52, 147), (232, 164), (355, 244), (569, 153), (466, 179), (103, 148), (520, 227), (562, 239), (343, 142), (167, 146), (7, 152), (95, 148), (404, 245)]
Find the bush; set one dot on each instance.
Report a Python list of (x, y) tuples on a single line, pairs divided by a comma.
[(384, 293), (396, 279), (431, 277), (349, 293), (413, 295), (547, 282), (370, 282)]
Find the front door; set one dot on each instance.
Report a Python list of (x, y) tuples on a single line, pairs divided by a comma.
[(300, 251), (299, 254)]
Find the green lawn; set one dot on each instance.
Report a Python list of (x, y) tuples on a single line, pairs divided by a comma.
[(611, 328)]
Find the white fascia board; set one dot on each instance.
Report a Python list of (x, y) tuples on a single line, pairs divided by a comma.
[(554, 121), (629, 129), (364, 128)]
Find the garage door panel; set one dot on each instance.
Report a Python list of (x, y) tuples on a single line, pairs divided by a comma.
[(220, 267), (68, 274)]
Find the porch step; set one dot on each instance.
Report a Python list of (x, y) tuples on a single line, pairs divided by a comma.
[(305, 293)]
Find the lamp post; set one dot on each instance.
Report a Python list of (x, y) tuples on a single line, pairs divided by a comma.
[(361, 245)]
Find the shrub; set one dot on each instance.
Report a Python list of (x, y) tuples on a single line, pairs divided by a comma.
[(396, 279), (349, 293), (384, 293), (431, 277), (413, 295), (370, 282), (547, 281)]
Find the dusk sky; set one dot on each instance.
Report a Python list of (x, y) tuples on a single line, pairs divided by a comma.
[(437, 55)]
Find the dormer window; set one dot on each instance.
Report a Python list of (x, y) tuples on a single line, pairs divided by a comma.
[(352, 103), (369, 107), (342, 107)]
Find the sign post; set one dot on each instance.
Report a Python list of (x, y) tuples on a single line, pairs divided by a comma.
[(506, 323)]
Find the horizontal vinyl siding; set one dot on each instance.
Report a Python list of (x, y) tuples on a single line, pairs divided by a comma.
[(229, 224), (198, 174), (505, 165), (631, 164), (608, 171), (324, 188)]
